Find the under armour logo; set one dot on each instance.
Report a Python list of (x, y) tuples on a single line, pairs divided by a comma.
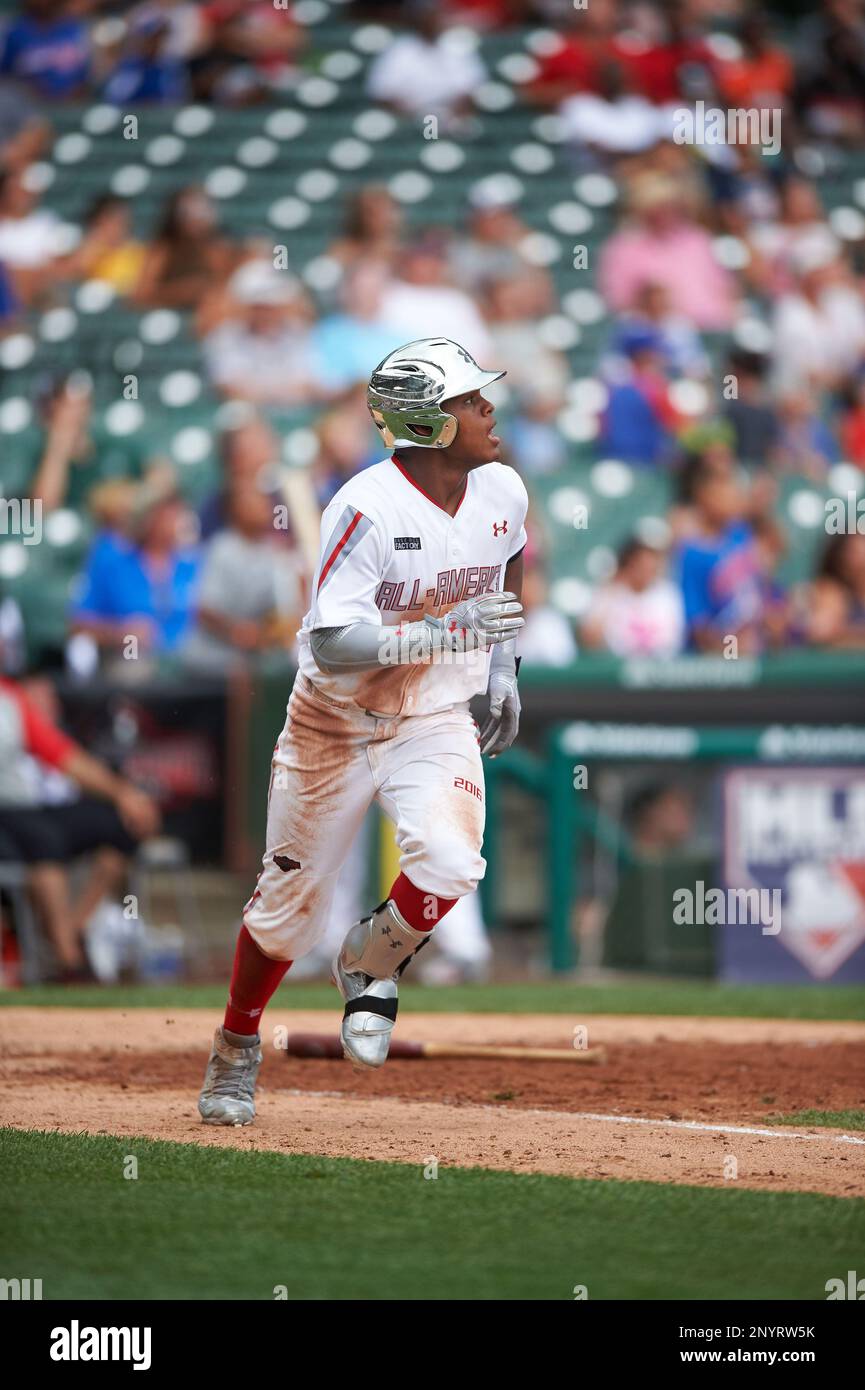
[(385, 931), (464, 355), (497, 528)]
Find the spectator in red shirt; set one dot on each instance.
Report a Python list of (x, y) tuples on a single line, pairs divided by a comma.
[(587, 45), (490, 14), (667, 61), (110, 820), (852, 427), (670, 59)]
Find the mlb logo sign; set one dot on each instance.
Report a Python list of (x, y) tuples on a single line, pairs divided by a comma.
[(801, 831)]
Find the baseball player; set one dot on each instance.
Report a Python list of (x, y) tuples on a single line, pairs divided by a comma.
[(415, 609)]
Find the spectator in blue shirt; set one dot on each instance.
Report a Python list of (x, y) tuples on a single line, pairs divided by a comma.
[(148, 70), (805, 444), (48, 48), (718, 568), (639, 424), (675, 337), (9, 305), (143, 587)]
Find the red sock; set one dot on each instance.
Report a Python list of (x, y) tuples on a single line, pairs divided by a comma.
[(253, 980), (421, 910)]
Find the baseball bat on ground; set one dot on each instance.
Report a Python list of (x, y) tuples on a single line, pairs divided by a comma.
[(323, 1045)]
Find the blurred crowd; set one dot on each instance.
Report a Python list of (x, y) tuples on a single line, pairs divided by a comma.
[(733, 353)]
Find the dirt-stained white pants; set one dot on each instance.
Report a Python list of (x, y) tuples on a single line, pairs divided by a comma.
[(331, 762)]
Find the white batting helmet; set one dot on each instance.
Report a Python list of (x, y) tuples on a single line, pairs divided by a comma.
[(406, 390)]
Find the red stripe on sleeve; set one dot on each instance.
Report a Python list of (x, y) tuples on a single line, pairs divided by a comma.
[(338, 547)]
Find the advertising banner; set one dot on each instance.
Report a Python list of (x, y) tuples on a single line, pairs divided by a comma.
[(798, 834)]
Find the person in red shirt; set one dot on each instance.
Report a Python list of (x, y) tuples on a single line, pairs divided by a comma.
[(490, 14), (852, 424), (110, 819), (664, 60), (670, 60), (586, 48)]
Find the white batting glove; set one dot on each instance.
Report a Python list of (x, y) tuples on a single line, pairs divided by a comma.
[(502, 724), (477, 624)]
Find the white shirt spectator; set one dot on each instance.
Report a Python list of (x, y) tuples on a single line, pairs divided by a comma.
[(242, 580), (424, 76), (787, 246), (428, 311), (646, 623), (822, 339), (274, 369), (29, 242), (266, 351), (623, 127)]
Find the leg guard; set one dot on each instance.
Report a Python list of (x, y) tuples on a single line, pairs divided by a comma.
[(373, 955)]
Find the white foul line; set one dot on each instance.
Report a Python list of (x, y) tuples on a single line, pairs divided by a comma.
[(715, 1129), (608, 1119)]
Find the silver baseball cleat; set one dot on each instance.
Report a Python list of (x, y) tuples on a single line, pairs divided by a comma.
[(374, 953), (228, 1094)]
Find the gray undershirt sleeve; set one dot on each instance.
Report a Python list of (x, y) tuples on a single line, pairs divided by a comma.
[(366, 647)]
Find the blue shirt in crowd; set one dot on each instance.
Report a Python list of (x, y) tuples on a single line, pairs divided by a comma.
[(117, 585), (632, 429), (9, 305), (52, 55), (349, 349), (720, 580)]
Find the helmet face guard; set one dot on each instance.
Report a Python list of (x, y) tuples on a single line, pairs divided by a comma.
[(427, 429), (406, 389)]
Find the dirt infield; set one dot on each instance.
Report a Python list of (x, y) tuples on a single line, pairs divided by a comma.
[(674, 1101)]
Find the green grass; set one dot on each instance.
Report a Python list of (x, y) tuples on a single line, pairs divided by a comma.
[(651, 996), (218, 1223), (831, 1119)]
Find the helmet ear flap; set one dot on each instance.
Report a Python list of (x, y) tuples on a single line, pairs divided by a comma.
[(448, 432), (393, 425)]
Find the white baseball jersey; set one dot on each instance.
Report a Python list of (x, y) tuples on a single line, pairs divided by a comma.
[(390, 555)]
